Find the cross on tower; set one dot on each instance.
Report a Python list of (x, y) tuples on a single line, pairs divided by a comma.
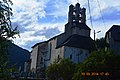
[(77, 1)]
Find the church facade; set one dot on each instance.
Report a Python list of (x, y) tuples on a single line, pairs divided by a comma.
[(75, 43)]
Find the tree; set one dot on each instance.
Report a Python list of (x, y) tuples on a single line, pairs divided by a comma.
[(63, 69), (99, 61), (100, 43), (6, 35)]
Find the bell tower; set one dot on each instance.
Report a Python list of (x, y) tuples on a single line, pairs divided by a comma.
[(77, 21), (76, 14)]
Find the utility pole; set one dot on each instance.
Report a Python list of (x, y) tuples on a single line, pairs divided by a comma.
[(95, 34)]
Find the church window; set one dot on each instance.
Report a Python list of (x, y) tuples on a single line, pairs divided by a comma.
[(79, 21), (74, 13), (58, 58), (41, 59), (73, 20), (109, 34), (71, 56)]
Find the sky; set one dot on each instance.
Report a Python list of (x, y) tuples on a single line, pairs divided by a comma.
[(40, 20)]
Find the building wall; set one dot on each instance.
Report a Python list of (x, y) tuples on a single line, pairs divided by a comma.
[(77, 30), (47, 56), (117, 47), (46, 51), (54, 52), (60, 52), (84, 32), (114, 45), (34, 58), (78, 55), (27, 66), (42, 51), (52, 49)]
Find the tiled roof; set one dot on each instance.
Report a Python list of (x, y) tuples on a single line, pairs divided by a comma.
[(79, 41)]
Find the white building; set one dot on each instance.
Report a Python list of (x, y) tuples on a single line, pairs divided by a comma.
[(75, 43)]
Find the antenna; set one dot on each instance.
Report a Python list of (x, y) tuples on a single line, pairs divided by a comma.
[(77, 1)]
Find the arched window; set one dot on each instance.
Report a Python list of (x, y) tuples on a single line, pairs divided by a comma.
[(71, 56), (41, 59), (58, 56)]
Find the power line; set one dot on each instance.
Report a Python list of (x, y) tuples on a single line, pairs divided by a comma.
[(101, 13), (90, 14)]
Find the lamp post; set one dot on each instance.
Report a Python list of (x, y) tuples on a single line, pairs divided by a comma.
[(96, 33)]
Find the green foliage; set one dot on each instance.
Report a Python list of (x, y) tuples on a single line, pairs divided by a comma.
[(100, 43), (6, 30), (6, 35), (98, 61), (63, 69), (77, 73), (6, 70)]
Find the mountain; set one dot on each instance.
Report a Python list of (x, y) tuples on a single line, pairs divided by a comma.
[(17, 56)]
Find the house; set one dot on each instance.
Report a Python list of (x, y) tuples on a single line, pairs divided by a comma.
[(75, 43), (112, 38)]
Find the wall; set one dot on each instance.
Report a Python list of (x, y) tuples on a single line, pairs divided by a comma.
[(78, 55), (53, 53), (27, 66), (42, 51), (79, 31), (114, 45), (84, 32), (34, 58), (117, 47)]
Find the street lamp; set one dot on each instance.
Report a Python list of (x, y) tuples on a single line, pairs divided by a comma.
[(95, 33)]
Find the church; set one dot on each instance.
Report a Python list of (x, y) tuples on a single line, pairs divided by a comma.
[(75, 43)]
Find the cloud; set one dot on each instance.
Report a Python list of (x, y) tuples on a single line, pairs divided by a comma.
[(98, 7), (111, 14), (27, 37), (48, 33), (57, 8), (26, 12)]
